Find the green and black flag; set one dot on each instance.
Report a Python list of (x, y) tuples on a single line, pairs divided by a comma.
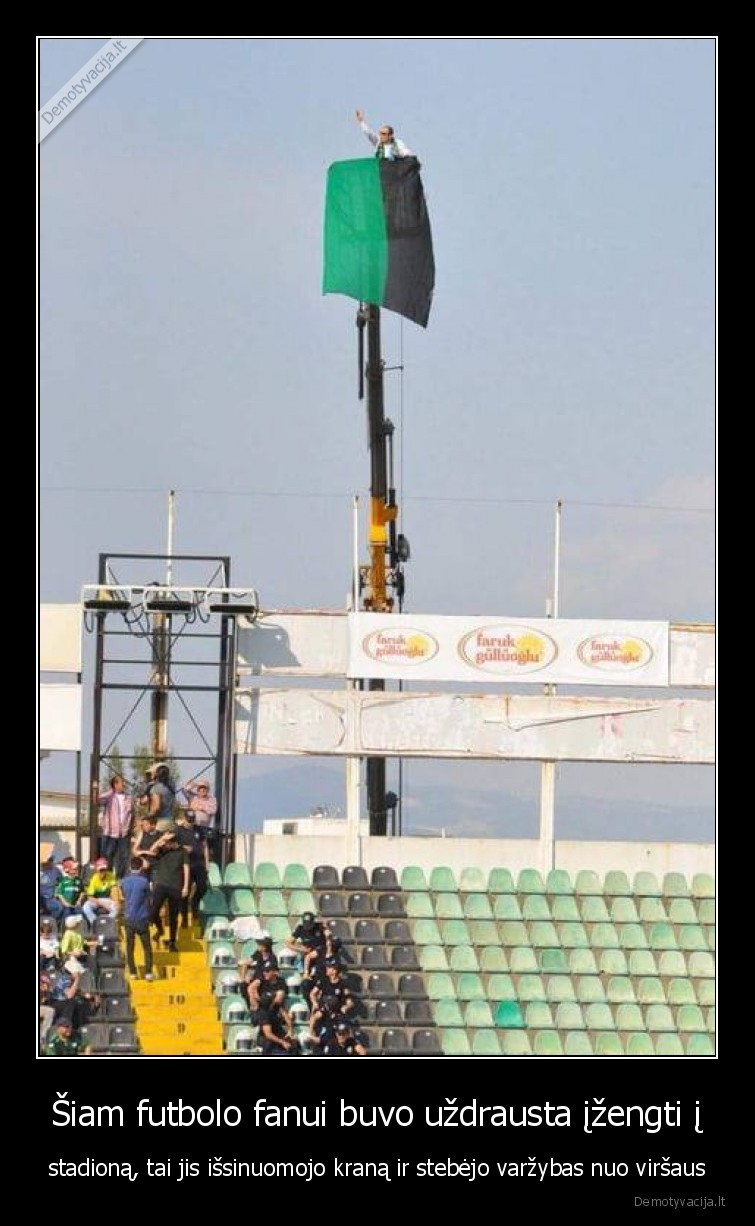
[(378, 245)]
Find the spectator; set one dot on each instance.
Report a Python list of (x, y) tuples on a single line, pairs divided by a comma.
[(275, 1032), (99, 892), (72, 945), (137, 904), (145, 840), (204, 806), (267, 989), (49, 876), (63, 1041), (46, 1010), (170, 882), (343, 1042), (195, 843), (162, 800), (69, 890), (116, 822), (332, 986), (49, 944)]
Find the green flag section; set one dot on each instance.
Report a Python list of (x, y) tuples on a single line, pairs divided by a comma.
[(378, 245)]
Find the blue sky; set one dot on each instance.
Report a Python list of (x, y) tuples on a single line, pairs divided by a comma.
[(185, 343)]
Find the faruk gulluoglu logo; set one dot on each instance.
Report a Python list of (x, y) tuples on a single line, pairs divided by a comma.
[(611, 651), (508, 649), (406, 646)]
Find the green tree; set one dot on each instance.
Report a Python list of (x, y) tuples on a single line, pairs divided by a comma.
[(142, 757)]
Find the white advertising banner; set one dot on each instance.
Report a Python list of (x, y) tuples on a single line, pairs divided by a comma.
[(556, 651), (59, 717), (60, 638)]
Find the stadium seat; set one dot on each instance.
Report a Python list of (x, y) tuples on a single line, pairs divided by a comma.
[(237, 873), (214, 875), (680, 992), (388, 1012), (395, 1042), (535, 907), (478, 1014), (397, 932), (426, 1043), (384, 878), (469, 986), (427, 932), (214, 903), (455, 1042), (646, 885), (543, 934), (454, 932), (675, 886), (221, 953), (705, 992), (700, 1045), (506, 907), (706, 910), (589, 990), (242, 902), (122, 1038), (624, 911), (671, 964), (619, 990), (380, 983), (500, 881), (569, 1016), (682, 911), (559, 988), (105, 926), (690, 1018), (613, 962), (373, 957), (558, 881), (483, 932), (642, 962), (692, 938), (548, 1043), (299, 901), (500, 987), (226, 982), (661, 936), (639, 1043), (411, 986), (354, 877), (472, 881), (485, 1042), (530, 987), (440, 985), (604, 936), (412, 878), (649, 991), (96, 1036), (616, 883), (572, 936), (403, 958), (390, 904), (701, 965), (418, 1013), (564, 909), (582, 962), (659, 1017), (629, 1017), (325, 877), (538, 1016), (234, 1010), (477, 907), (447, 1012), (578, 1043), (668, 1045), (552, 961), (279, 928), (522, 960), (266, 876), (419, 906), (118, 1009), (508, 1015), (112, 982), (513, 932), (296, 877), (448, 906), (587, 882), (703, 886), (653, 910), (269, 902), (515, 1043), (463, 958), (493, 958), (241, 1040), (432, 958), (442, 880), (332, 904), (218, 929), (608, 1044), (632, 936), (594, 909), (529, 881)]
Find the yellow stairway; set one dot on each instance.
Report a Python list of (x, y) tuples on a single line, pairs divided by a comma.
[(176, 1014)]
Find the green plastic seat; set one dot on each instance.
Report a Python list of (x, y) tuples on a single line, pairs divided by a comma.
[(564, 909), (529, 881), (271, 902), (513, 932), (243, 902), (632, 936), (617, 883), (578, 1043), (589, 990), (500, 987), (668, 1045), (442, 880), (506, 907), (650, 991), (432, 958), (455, 1042), (640, 1044), (535, 907), (447, 1012), (690, 1018), (522, 960), (558, 881), (608, 1044), (463, 958), (700, 1045), (241, 1040), (473, 881), (426, 932), (469, 986), (659, 1017), (538, 1016), (543, 934), (267, 876), (680, 992), (419, 906), (218, 928), (454, 932), (279, 928), (598, 1016), (508, 1015), (500, 881), (675, 886), (582, 962), (613, 962), (703, 886), (671, 964), (493, 958), (448, 906), (593, 909), (296, 877), (559, 988), (553, 961), (653, 910), (478, 1014), (214, 903), (233, 1010), (530, 987), (624, 911), (486, 1043), (646, 885), (573, 936), (413, 878), (682, 911), (300, 901), (710, 1019), (214, 876), (604, 936), (483, 932), (629, 1017), (642, 962), (477, 907), (440, 985), (661, 936), (237, 873), (619, 990), (516, 1043), (587, 882), (692, 937), (548, 1043), (706, 910), (569, 1016), (701, 965), (706, 992), (710, 935)]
